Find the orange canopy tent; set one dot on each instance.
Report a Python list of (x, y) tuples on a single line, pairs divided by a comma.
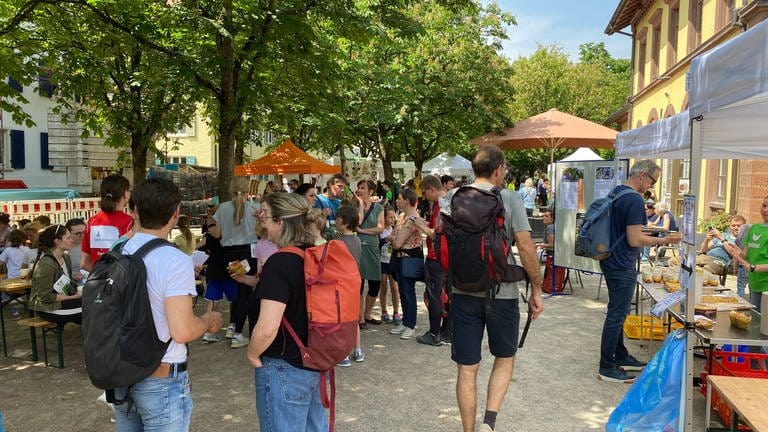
[(286, 159), (551, 129)]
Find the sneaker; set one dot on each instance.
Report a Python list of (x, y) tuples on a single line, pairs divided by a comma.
[(238, 341), (630, 364), (385, 318), (358, 355), (397, 319), (615, 375), (363, 326), (408, 333), (211, 337), (345, 363), (398, 330), (429, 339), (230, 333), (445, 339), (485, 428)]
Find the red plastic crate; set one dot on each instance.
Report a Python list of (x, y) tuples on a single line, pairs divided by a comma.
[(729, 363)]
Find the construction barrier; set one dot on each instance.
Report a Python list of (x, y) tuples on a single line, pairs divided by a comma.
[(59, 210)]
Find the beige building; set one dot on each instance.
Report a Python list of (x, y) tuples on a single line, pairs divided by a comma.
[(666, 35)]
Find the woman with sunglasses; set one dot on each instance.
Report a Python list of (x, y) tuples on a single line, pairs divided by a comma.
[(54, 293)]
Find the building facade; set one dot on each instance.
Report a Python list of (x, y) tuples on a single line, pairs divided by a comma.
[(666, 35), (51, 153)]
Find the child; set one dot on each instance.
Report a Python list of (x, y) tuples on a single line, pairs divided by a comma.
[(387, 277), (13, 256), (347, 219)]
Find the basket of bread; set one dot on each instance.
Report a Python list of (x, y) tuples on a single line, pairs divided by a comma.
[(740, 320)]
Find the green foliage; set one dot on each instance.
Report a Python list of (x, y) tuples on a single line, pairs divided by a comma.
[(719, 220)]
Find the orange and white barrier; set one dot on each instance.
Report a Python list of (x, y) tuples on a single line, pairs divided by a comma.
[(59, 210)]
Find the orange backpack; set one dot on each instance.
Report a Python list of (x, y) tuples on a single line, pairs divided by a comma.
[(332, 283)]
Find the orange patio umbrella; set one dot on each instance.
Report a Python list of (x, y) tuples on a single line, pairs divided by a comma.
[(286, 159), (552, 129)]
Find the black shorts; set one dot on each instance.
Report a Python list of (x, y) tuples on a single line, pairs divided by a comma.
[(469, 321)]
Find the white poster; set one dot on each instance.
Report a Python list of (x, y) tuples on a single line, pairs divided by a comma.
[(605, 181), (689, 222), (572, 192)]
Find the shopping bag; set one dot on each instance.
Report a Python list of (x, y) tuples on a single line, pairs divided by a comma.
[(652, 404)]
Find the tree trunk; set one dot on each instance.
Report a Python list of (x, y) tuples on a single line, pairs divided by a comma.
[(226, 159), (139, 150)]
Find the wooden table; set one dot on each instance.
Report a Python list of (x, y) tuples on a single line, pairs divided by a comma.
[(747, 397), (15, 288)]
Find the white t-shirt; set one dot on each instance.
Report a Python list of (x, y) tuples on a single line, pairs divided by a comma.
[(169, 273), (14, 257)]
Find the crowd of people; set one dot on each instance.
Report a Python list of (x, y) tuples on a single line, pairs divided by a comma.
[(385, 226)]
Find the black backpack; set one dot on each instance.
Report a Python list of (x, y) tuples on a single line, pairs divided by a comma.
[(472, 244), (120, 341)]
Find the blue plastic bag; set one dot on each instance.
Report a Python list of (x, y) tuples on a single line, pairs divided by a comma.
[(652, 404)]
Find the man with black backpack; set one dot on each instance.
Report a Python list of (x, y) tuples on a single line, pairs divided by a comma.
[(163, 399), (490, 304), (627, 217)]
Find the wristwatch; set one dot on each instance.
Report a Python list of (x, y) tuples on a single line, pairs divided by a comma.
[(752, 267)]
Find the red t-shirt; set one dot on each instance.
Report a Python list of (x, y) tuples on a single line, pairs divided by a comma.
[(102, 231), (431, 254)]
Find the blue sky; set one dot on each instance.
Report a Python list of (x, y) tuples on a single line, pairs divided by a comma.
[(568, 23)]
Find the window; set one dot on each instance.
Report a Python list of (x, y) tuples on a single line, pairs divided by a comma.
[(188, 160), (45, 162), (12, 83), (674, 28), (655, 21), (45, 85), (694, 24), (722, 172), (186, 131), (17, 149), (641, 50)]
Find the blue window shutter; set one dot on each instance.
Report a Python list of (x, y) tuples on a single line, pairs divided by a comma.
[(45, 162), (17, 149), (12, 83)]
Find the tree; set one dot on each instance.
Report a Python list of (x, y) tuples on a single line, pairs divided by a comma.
[(427, 91), (134, 95), (590, 89)]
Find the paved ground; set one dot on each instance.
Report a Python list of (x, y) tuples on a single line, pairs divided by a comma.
[(401, 386)]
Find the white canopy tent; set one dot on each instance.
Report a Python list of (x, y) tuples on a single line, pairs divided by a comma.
[(445, 163), (582, 154), (669, 138), (728, 98)]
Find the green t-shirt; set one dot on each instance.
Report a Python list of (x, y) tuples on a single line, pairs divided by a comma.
[(757, 242)]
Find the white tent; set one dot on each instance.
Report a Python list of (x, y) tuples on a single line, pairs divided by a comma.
[(669, 138), (728, 97), (582, 154), (445, 163)]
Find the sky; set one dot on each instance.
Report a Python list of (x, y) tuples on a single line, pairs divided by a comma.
[(568, 23)]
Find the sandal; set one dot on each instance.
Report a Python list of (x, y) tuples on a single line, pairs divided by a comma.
[(385, 318)]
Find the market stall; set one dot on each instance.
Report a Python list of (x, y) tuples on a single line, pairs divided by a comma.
[(728, 97)]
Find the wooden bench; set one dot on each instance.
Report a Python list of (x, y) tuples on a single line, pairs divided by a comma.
[(45, 327)]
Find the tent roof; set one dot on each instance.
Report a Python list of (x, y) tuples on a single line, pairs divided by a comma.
[(447, 161), (668, 138), (728, 97), (286, 159), (582, 154)]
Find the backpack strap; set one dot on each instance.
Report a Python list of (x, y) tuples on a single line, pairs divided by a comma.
[(615, 197), (146, 247)]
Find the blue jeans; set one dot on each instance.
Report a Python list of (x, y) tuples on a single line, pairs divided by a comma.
[(288, 398), (155, 404), (742, 279), (621, 286), (407, 288)]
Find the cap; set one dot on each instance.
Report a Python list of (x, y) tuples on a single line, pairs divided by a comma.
[(650, 202)]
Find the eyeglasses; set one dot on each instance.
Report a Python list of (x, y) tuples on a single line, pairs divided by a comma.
[(653, 180), (265, 215)]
